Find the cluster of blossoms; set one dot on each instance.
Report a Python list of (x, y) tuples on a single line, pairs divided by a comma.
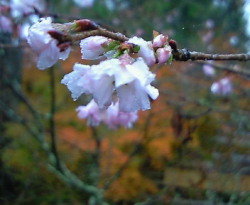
[(112, 116), (16, 16), (120, 84)]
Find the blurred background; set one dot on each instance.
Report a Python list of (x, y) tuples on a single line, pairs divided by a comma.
[(192, 147)]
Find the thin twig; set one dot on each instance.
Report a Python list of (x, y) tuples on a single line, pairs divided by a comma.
[(52, 120), (97, 155), (17, 91), (185, 55)]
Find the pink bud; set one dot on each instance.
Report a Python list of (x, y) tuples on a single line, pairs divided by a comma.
[(84, 25), (159, 41), (163, 54), (172, 43)]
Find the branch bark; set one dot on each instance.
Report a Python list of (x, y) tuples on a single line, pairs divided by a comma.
[(178, 54), (185, 55)]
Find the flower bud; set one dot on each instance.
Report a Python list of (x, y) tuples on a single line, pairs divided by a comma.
[(59, 36), (84, 25), (173, 44), (163, 54), (159, 41)]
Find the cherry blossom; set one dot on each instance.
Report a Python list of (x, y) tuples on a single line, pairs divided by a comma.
[(44, 45), (76, 81), (112, 79), (222, 87), (23, 7), (111, 116), (93, 47), (92, 112), (146, 50), (163, 54), (159, 41)]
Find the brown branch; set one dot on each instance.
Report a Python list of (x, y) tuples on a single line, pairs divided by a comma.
[(69, 35), (178, 54), (72, 36), (185, 55), (99, 32)]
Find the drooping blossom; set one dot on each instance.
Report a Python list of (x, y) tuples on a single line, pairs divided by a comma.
[(222, 87), (159, 41), (93, 47), (112, 79), (84, 3), (112, 117), (208, 70), (5, 24), (91, 112), (23, 7), (146, 50), (44, 45), (77, 81), (163, 54)]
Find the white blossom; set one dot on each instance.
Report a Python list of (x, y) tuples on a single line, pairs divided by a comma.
[(146, 50), (112, 117), (44, 45), (22, 7), (112, 79), (93, 47)]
